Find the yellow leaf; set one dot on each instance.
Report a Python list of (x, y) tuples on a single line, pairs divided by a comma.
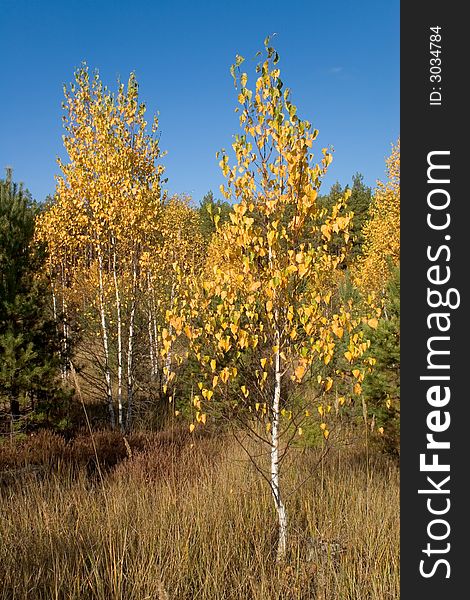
[(302, 269), (300, 372), (373, 323), (192, 427), (337, 330), (326, 230)]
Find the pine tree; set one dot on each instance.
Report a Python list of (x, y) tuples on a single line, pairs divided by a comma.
[(208, 208), (359, 204), (382, 385), (29, 360)]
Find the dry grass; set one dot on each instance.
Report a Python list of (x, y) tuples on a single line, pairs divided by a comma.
[(195, 522)]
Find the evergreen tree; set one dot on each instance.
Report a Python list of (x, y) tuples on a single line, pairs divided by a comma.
[(29, 345), (207, 209), (17, 213), (382, 385), (359, 203)]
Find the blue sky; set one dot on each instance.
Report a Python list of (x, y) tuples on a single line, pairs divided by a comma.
[(340, 59)]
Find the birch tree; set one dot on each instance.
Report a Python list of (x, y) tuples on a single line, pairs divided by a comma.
[(381, 253), (265, 295), (108, 201), (176, 251)]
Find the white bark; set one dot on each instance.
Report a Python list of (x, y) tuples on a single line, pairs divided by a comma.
[(119, 341), (54, 301), (152, 328), (104, 336), (275, 487), (150, 333), (54, 312), (64, 327), (169, 356), (130, 347), (155, 339)]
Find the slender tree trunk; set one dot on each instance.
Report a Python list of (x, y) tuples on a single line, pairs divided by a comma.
[(64, 327), (275, 487), (14, 407), (104, 336), (169, 356), (155, 335), (150, 334), (56, 321), (130, 347), (14, 413), (54, 303), (119, 341), (152, 328)]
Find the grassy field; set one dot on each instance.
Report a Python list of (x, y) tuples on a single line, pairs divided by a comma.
[(179, 518)]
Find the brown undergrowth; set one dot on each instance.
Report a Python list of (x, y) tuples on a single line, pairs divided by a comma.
[(173, 517)]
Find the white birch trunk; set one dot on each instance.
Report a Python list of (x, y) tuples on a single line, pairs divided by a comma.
[(152, 328), (150, 334), (169, 356), (104, 336), (130, 347), (119, 341), (54, 312), (275, 487), (64, 326), (155, 339)]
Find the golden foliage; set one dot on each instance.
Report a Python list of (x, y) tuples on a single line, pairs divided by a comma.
[(382, 231), (271, 268)]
